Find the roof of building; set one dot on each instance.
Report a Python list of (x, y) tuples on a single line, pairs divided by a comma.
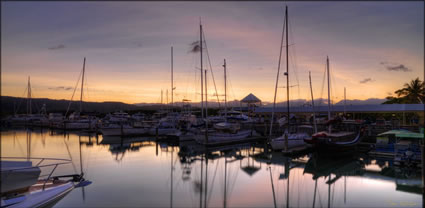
[(250, 99)]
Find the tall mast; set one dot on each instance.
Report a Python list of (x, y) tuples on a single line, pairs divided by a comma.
[(29, 110), (161, 96), (82, 85), (329, 93), (287, 75), (172, 84), (225, 91), (277, 82), (312, 103), (202, 80), (206, 101)]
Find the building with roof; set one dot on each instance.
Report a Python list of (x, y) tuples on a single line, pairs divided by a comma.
[(252, 102)]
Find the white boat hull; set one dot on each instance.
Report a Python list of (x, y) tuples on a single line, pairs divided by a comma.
[(217, 137), (294, 140), (48, 197), (18, 175)]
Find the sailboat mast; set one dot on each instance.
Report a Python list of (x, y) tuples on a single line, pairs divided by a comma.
[(29, 110), (202, 80), (172, 84), (206, 105), (225, 91), (82, 85), (287, 75), (312, 103), (277, 82), (329, 92)]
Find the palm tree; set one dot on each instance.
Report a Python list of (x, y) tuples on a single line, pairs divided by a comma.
[(413, 92)]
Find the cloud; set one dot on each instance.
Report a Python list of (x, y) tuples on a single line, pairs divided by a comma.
[(366, 80), (61, 46), (395, 66), (60, 88)]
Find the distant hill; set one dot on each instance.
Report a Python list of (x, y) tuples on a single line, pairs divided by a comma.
[(370, 101), (9, 105), (296, 102)]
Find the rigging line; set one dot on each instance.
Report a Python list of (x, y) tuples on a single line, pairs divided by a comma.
[(231, 86), (20, 101), (323, 85), (294, 55), (75, 88), (35, 103), (70, 156), (334, 88), (212, 73)]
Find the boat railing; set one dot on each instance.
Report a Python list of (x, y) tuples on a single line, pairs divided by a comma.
[(38, 165)]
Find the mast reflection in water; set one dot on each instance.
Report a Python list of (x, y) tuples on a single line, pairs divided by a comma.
[(140, 172)]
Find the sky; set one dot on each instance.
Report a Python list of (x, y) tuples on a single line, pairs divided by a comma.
[(373, 48)]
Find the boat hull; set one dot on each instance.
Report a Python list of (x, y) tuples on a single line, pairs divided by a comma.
[(123, 132)]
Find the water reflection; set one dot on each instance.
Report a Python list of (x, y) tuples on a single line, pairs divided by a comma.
[(143, 172)]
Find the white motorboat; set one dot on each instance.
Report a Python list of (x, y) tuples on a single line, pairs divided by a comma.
[(22, 187), (18, 175)]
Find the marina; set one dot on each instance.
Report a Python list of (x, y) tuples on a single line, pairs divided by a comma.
[(219, 104)]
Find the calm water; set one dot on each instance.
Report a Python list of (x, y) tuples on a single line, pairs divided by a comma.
[(138, 172)]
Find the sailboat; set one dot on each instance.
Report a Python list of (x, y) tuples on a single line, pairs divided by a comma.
[(75, 121), (223, 132), (334, 139), (22, 184), (232, 127), (288, 139), (29, 119)]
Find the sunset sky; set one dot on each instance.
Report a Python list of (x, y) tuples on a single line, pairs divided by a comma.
[(373, 47)]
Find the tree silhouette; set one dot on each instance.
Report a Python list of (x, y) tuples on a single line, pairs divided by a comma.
[(413, 92)]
